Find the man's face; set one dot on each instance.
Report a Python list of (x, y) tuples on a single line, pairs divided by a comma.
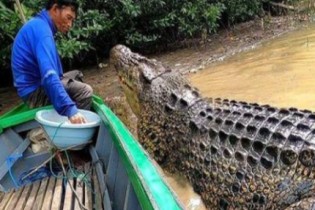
[(63, 18)]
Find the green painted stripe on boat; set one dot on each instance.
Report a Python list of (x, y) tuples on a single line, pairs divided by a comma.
[(19, 114), (149, 186)]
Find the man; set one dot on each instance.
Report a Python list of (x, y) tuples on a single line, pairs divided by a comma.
[(37, 70)]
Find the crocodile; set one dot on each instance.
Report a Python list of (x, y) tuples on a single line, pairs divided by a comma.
[(236, 155)]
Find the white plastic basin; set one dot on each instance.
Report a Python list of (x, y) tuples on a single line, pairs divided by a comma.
[(65, 135)]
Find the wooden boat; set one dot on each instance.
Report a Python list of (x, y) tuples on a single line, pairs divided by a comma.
[(121, 174)]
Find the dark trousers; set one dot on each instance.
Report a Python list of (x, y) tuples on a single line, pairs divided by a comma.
[(80, 92)]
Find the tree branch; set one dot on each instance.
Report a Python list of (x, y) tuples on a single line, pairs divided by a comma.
[(18, 4), (285, 6)]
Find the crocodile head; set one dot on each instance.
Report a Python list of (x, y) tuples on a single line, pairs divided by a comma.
[(135, 73)]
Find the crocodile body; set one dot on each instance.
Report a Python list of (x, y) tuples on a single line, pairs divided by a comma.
[(235, 154)]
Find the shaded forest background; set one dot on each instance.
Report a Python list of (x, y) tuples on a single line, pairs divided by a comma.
[(146, 26)]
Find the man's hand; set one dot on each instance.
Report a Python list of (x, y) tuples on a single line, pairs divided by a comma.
[(77, 119)]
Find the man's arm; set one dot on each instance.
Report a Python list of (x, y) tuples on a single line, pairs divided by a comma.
[(48, 61)]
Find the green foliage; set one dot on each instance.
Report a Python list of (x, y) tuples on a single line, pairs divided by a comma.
[(241, 10), (140, 24), (9, 24), (35, 5), (198, 16), (88, 25)]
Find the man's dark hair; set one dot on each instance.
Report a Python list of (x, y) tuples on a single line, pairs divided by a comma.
[(60, 3)]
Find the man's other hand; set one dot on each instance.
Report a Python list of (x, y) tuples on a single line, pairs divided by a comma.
[(77, 119)]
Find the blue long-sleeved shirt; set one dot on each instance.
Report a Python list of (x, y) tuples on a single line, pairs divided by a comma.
[(35, 62)]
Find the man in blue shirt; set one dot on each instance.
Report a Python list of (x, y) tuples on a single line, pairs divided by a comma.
[(37, 70)]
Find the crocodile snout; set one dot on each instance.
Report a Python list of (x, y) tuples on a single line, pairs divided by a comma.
[(118, 52)]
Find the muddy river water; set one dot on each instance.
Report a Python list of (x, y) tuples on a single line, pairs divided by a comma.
[(280, 72)]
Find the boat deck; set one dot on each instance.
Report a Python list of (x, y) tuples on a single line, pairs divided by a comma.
[(55, 193)]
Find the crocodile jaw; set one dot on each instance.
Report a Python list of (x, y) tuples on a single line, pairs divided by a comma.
[(126, 64)]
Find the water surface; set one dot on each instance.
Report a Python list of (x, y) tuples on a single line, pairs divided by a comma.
[(281, 73)]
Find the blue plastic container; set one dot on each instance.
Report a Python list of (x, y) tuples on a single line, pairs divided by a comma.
[(65, 135)]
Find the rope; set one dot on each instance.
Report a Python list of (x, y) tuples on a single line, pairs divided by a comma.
[(52, 140), (56, 153), (75, 173), (52, 171), (73, 190), (80, 176)]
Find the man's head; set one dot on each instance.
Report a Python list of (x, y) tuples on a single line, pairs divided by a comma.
[(63, 13)]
